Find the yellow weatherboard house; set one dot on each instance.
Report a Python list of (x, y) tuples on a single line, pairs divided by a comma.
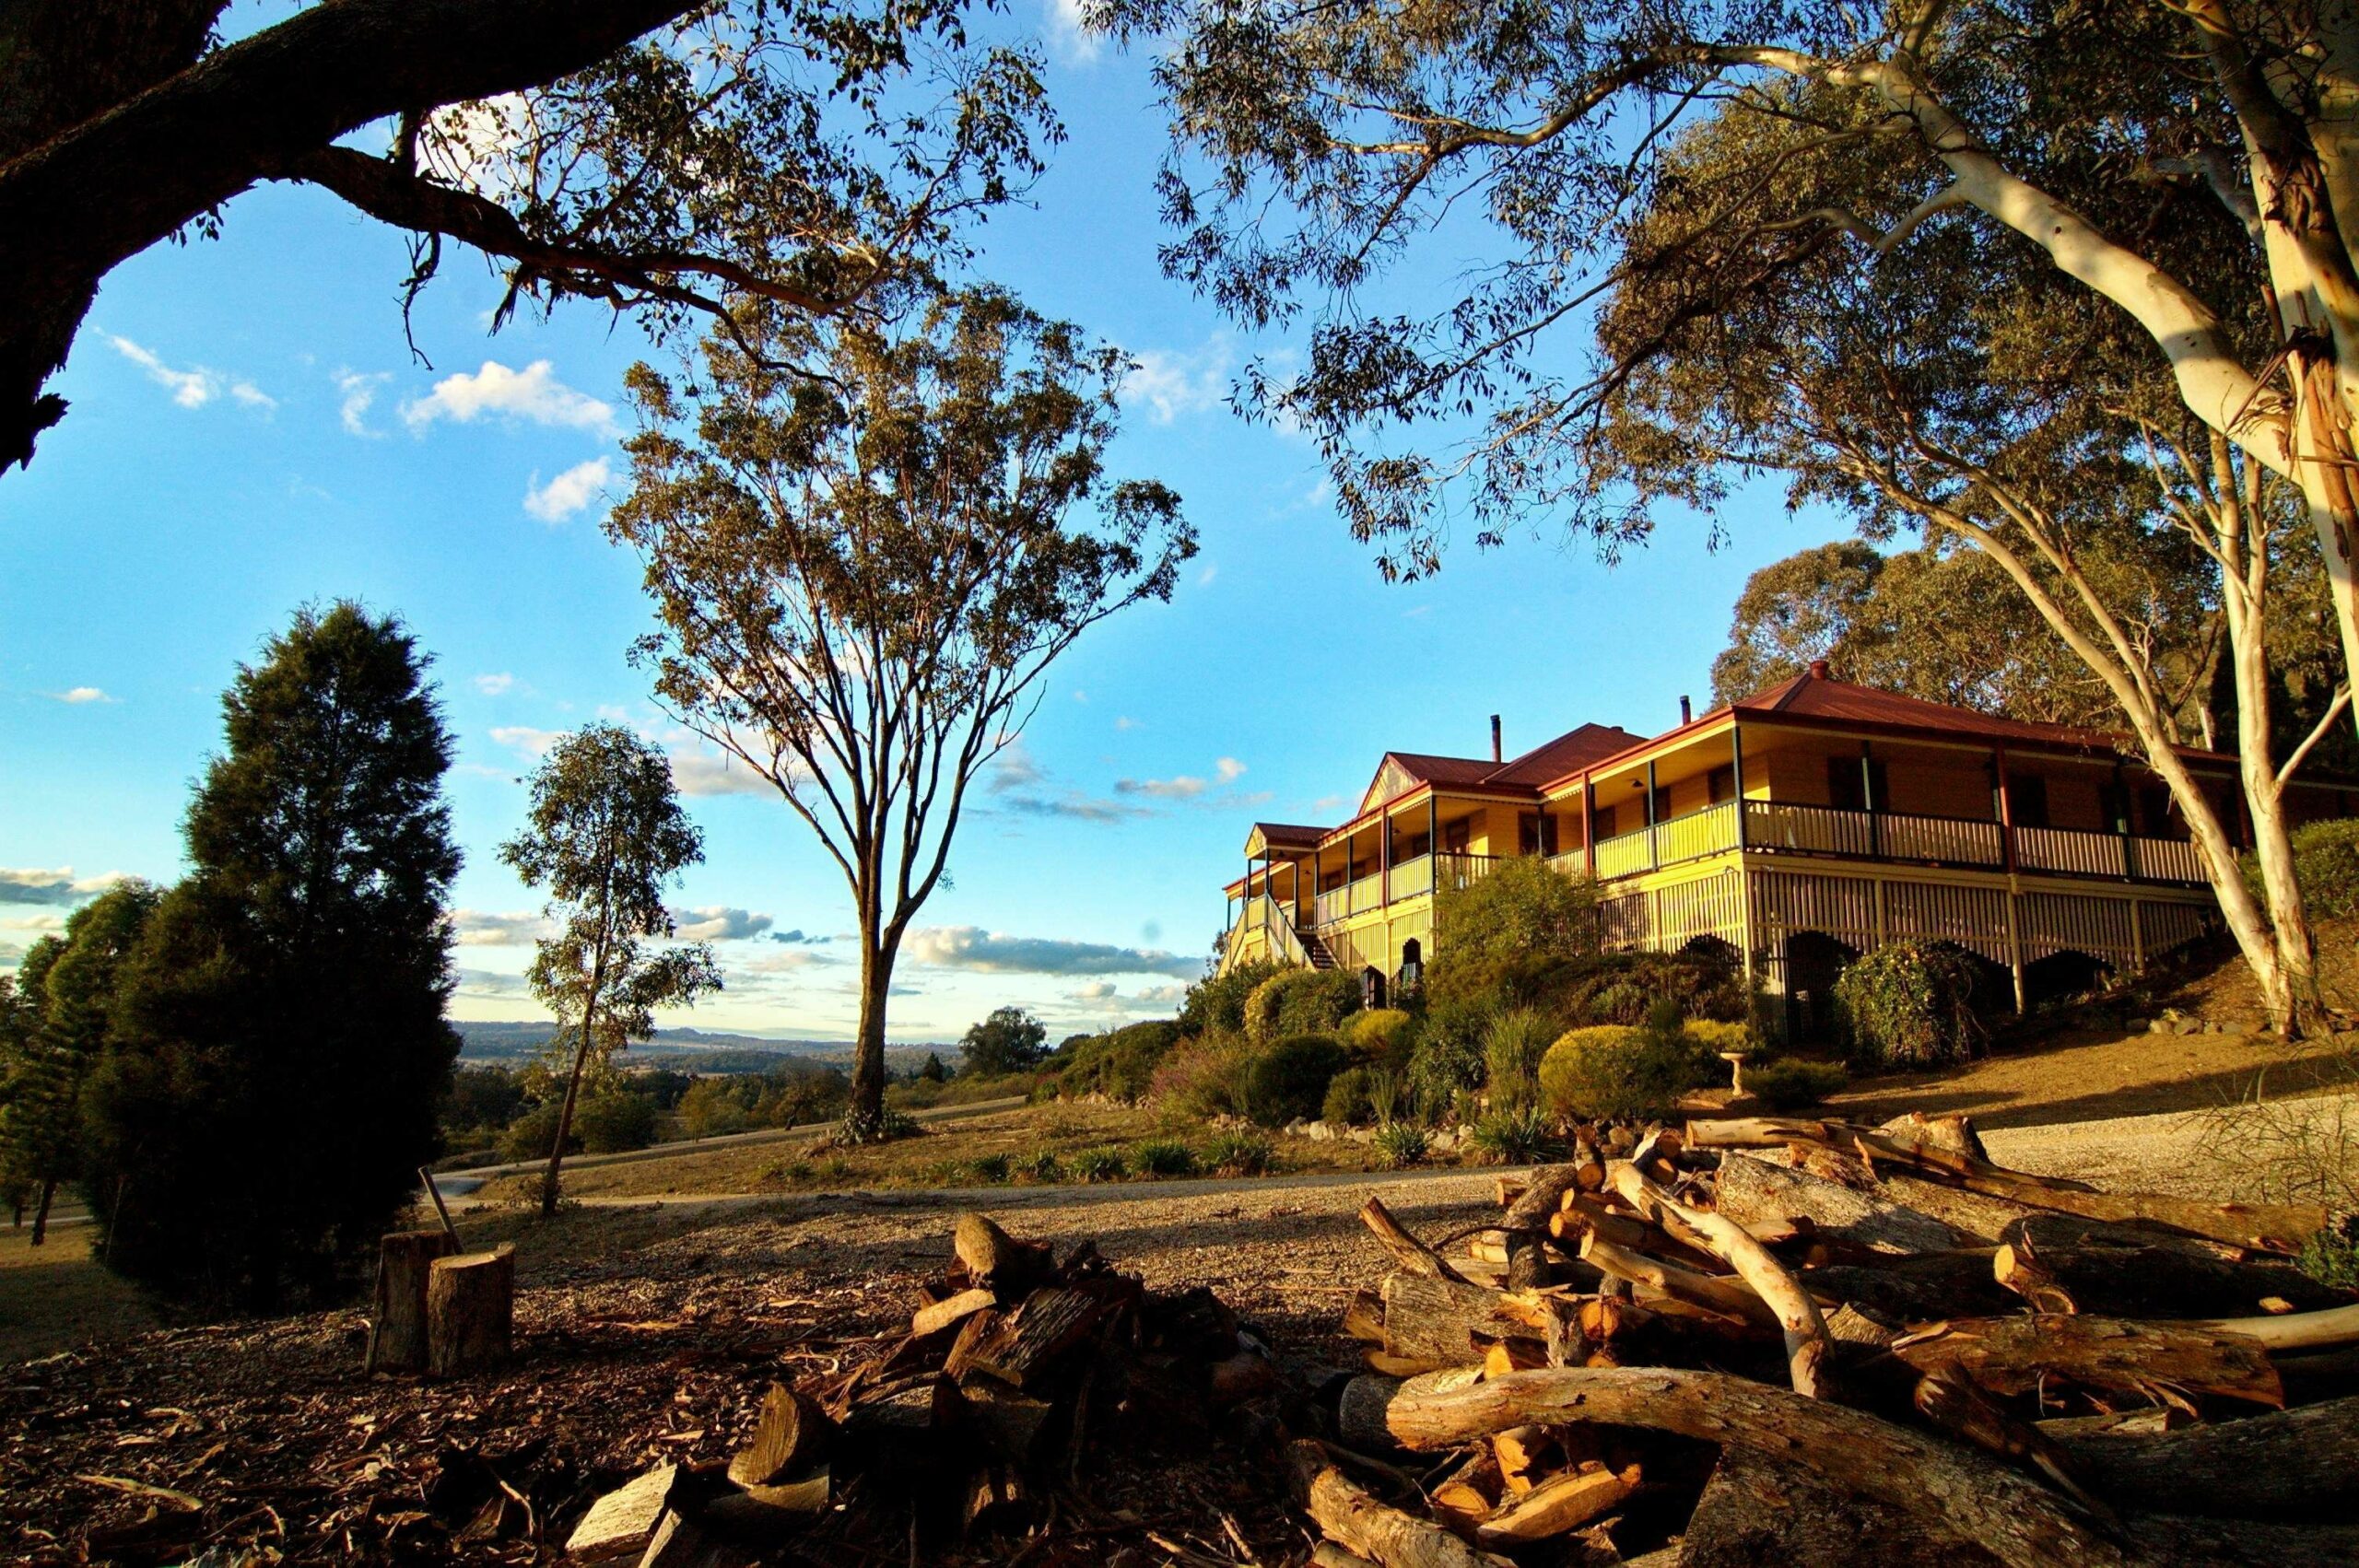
[(1789, 832)]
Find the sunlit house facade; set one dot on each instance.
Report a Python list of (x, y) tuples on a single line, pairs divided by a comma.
[(1791, 832)]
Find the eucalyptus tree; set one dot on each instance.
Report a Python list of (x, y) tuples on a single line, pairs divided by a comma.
[(606, 835), (1316, 145), (655, 156), (1982, 271), (861, 574)]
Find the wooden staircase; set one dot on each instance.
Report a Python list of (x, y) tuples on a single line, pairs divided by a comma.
[(1315, 949)]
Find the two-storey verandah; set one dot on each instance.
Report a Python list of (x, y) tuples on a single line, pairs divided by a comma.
[(1800, 827)]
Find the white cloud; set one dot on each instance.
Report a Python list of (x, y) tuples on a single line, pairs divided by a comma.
[(1126, 722), (995, 953), (487, 928), (59, 886), (696, 771), (1207, 573), (490, 984), (525, 739), (1230, 769), (76, 696), (720, 923), (1226, 770), (359, 393), (569, 492), (1170, 383), (1073, 44), (1096, 990), (497, 684), (195, 387), (532, 394)]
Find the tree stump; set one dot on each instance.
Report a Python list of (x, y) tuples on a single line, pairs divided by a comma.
[(470, 1311), (397, 1321)]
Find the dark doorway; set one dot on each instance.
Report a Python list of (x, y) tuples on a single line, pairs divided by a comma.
[(1813, 959), (2062, 975)]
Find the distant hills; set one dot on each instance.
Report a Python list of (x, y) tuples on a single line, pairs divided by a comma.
[(697, 1051)]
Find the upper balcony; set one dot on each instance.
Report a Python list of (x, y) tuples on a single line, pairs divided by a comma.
[(1780, 828)]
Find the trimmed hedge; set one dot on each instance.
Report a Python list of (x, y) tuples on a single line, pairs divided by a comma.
[(1300, 1001), (1613, 1072)]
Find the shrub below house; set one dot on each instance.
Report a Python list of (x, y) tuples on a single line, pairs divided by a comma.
[(1300, 1001), (1120, 1065), (1217, 1002), (1450, 1057), (1512, 1049), (1381, 1036), (1290, 1079), (2326, 869), (1203, 1077), (1619, 1072), (1795, 1084), (1910, 1004)]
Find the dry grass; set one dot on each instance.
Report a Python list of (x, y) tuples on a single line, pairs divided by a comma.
[(943, 1156), (56, 1296)]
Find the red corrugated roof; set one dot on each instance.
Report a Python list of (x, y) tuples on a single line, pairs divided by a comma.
[(1807, 695), (1569, 752), (1289, 833), (1429, 769)]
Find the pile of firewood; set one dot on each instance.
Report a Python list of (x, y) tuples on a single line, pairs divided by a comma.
[(1015, 1366), (1787, 1342)]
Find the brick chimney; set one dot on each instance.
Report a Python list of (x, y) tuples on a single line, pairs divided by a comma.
[(1818, 670), (1495, 738), (1687, 714)]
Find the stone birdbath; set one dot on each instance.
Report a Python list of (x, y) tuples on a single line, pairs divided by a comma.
[(1736, 1060)]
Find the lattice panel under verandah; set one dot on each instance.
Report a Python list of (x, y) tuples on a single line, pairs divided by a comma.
[(1708, 907), (1973, 918), (2069, 922)]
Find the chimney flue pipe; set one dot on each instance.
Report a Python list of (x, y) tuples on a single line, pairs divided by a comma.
[(1495, 738), (1687, 715)]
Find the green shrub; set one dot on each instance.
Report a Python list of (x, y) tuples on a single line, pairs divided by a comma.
[(1120, 1065), (1521, 1137), (2326, 869), (1449, 1054), (1349, 1103), (1381, 1036), (1163, 1157), (1624, 987), (1217, 1002), (1909, 1004), (1098, 1165), (1290, 1079), (1613, 1071), (1793, 1084), (1523, 911), (1300, 1001), (612, 1123), (1240, 1153), (1512, 1049), (1718, 1039), (1203, 1078), (1043, 1166), (1400, 1144), (2331, 1256), (988, 1170)]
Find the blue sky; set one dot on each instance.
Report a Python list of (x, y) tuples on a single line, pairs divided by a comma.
[(249, 432)]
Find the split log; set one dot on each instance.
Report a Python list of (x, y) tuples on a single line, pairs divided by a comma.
[(1916, 1289), (1752, 1192), (1806, 1339), (397, 1318), (1933, 1484), (938, 1316), (683, 1542), (1010, 1421), (1588, 1212), (2131, 1271), (762, 1515), (1720, 1293), (1560, 1504), (991, 1256), (1946, 1134), (1027, 1341), (1435, 1320), (1351, 1515), (2013, 1355), (2240, 1543), (2280, 1226), (1327, 1554), (619, 1524), (470, 1311), (1408, 1252), (1754, 1514), (1952, 1402), (791, 1435), (2286, 1464), (1359, 1413), (1757, 1132), (2294, 1332), (1524, 1226)]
